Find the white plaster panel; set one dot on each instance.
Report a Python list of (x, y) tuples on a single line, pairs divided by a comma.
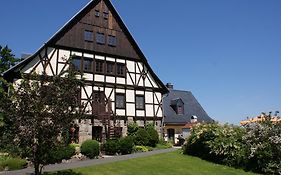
[(139, 67), (120, 90), (110, 59), (140, 92), (110, 79), (149, 110), (120, 81), (148, 97), (28, 68), (159, 97), (137, 78), (140, 113), (160, 113), (39, 69), (107, 93), (129, 80), (99, 78), (88, 55), (88, 76), (64, 55), (99, 57), (60, 67), (131, 66), (147, 83), (131, 110), (76, 54), (120, 61), (130, 96), (154, 84), (49, 71), (120, 112)]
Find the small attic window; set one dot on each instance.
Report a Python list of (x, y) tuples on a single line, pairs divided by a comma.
[(105, 15), (97, 13)]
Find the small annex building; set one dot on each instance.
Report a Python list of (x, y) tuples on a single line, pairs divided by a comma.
[(181, 112)]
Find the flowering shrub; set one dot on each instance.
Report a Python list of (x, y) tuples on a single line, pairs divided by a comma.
[(263, 142), (217, 143), (256, 147)]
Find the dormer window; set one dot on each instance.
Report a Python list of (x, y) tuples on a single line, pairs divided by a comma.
[(178, 106), (180, 110)]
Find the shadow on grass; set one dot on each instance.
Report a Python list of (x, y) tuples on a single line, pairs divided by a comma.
[(67, 172)]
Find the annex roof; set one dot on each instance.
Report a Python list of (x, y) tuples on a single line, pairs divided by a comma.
[(191, 108)]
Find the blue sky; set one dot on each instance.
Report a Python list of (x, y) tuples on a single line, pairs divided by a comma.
[(227, 52)]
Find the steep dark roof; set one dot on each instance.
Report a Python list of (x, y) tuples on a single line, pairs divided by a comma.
[(71, 23), (191, 107)]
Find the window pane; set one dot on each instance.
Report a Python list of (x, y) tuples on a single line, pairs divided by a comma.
[(120, 101), (139, 102), (112, 40), (88, 65), (97, 13), (99, 66), (105, 15), (110, 68), (100, 39), (76, 63), (120, 69), (88, 35)]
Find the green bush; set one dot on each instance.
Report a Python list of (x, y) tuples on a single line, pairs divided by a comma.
[(90, 148), (58, 154), (111, 147), (126, 145), (142, 137), (153, 136), (12, 163), (140, 149), (132, 129)]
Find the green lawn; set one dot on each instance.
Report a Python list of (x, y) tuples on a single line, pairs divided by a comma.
[(162, 164)]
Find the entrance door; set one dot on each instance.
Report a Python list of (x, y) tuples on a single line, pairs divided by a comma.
[(171, 134), (97, 133)]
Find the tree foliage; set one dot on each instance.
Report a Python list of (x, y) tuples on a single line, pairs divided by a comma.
[(7, 59), (38, 109)]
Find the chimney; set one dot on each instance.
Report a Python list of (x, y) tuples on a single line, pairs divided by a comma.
[(170, 86)]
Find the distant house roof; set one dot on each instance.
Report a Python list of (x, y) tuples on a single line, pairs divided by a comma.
[(260, 118), (191, 108)]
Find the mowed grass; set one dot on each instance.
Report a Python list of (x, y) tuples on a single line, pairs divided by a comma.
[(162, 164)]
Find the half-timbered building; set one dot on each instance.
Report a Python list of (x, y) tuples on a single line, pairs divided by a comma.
[(120, 86)]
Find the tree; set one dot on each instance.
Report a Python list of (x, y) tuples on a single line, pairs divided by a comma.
[(7, 59), (39, 109)]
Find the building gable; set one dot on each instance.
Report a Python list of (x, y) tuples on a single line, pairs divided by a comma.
[(99, 21)]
